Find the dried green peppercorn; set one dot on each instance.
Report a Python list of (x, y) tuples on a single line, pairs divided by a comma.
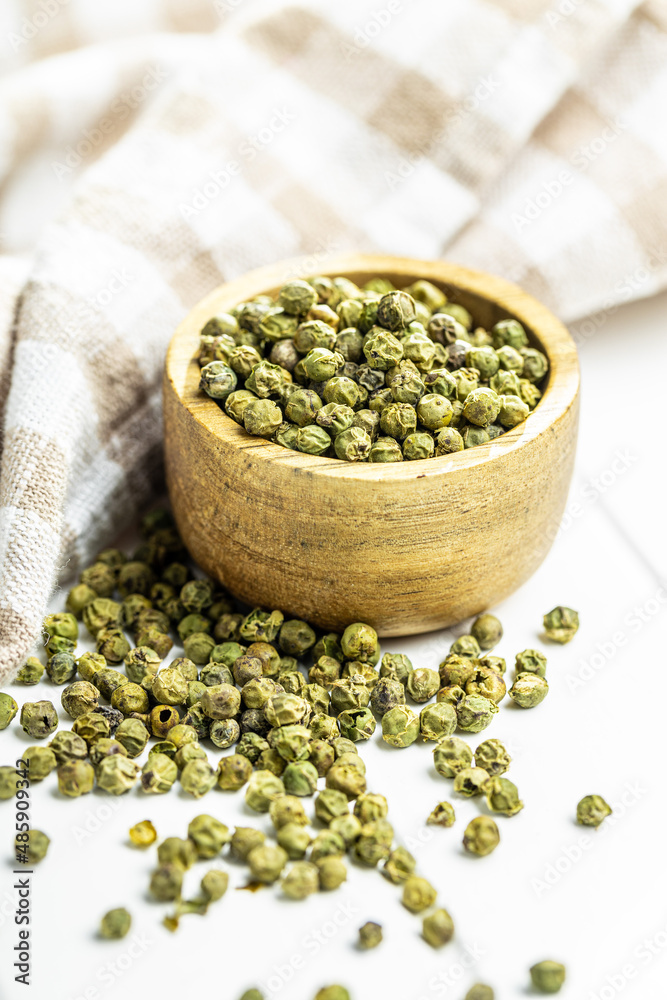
[(326, 844), (294, 839), (300, 778), (451, 755), (61, 668), (448, 441), (31, 672), (166, 882), (346, 778), (370, 935), (493, 757), (177, 851), (39, 719), (335, 992), (8, 709), (162, 719), (9, 781), (214, 885), (452, 694), (374, 842), (115, 924), (263, 788), (320, 753), (438, 928), (158, 774), (116, 774), (198, 777), (356, 724), (79, 698), (528, 690), (224, 733), (371, 807), (169, 687), (418, 894), (481, 836), (488, 683), (480, 992), (359, 642), (290, 741), (442, 815), (437, 721), (75, 777), (209, 835), (68, 746), (387, 694), (301, 881), (592, 810), (41, 761), (487, 631), (348, 827), (399, 866), (31, 846), (329, 804), (531, 661), (474, 713), (471, 781), (547, 976), (251, 745), (105, 748), (400, 726), (133, 735), (266, 863), (234, 772), (561, 624), (502, 796)]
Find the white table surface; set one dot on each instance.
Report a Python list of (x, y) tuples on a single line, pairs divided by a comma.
[(594, 900)]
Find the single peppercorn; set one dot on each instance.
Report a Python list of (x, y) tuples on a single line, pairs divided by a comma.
[(561, 624), (528, 690), (438, 928), (115, 924), (481, 836), (592, 810), (547, 976), (370, 935)]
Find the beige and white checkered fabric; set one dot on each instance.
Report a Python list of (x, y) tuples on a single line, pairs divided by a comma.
[(150, 150)]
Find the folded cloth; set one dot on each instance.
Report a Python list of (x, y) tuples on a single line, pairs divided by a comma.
[(149, 152)]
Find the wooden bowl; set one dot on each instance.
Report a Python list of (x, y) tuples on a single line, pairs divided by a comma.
[(406, 547)]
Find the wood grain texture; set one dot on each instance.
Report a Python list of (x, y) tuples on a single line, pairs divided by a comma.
[(407, 547)]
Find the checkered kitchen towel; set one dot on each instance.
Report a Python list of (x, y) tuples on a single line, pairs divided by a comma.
[(149, 151)]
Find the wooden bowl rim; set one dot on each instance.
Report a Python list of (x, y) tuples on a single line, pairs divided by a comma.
[(182, 370)]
